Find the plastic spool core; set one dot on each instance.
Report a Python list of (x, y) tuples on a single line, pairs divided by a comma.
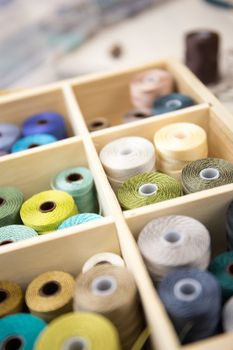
[(76, 343), (209, 174), (96, 124), (180, 135), (3, 295), (7, 241), (74, 177), (172, 237), (187, 289), (33, 145), (103, 285), (13, 343), (50, 288), (147, 189), (2, 201), (125, 152), (173, 103), (47, 206), (230, 269), (42, 122)]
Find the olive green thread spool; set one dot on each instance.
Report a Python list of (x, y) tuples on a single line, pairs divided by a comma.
[(11, 200), (148, 188)]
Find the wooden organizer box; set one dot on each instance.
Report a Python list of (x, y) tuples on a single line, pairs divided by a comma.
[(107, 95)]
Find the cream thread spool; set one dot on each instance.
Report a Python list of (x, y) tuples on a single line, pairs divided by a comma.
[(174, 241), (111, 291), (103, 258)]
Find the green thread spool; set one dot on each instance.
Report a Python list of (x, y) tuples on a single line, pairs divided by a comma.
[(207, 173), (148, 188), (11, 200), (222, 268), (45, 211), (79, 183), (15, 233)]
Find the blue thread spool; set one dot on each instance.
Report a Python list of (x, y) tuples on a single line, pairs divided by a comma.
[(79, 219), (32, 141), (172, 102), (20, 331), (9, 134), (79, 183), (45, 123), (15, 233), (192, 298)]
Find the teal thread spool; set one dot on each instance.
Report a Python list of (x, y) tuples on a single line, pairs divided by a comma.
[(148, 188), (11, 200), (172, 102), (79, 183), (222, 268), (15, 233), (20, 331), (79, 219)]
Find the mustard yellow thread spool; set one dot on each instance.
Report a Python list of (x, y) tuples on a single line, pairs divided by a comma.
[(11, 298)]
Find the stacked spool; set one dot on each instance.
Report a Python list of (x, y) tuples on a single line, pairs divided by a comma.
[(178, 144), (126, 157), (79, 183), (111, 291)]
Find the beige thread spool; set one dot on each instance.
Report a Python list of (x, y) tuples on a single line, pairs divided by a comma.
[(111, 291), (50, 294), (103, 258), (11, 298)]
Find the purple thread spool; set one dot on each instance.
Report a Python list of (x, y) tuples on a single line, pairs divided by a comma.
[(45, 123)]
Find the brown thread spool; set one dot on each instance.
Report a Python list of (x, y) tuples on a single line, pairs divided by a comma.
[(202, 51), (11, 298), (111, 291), (50, 295)]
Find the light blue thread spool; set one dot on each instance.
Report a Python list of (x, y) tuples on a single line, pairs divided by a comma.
[(79, 219), (79, 183), (32, 141), (15, 233), (20, 331), (172, 102), (192, 298)]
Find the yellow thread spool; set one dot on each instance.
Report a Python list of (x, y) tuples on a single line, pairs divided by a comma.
[(45, 211), (50, 294), (82, 330), (11, 298)]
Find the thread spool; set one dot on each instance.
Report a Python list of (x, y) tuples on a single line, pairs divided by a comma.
[(135, 115), (206, 173), (11, 298), (50, 294), (148, 188), (9, 134), (172, 102), (103, 258), (227, 316), (174, 241), (147, 86), (45, 123), (15, 233), (20, 331), (98, 124), (79, 219), (45, 211), (79, 330), (111, 291), (202, 51), (79, 183), (193, 300), (11, 200), (126, 157), (32, 141), (222, 268), (229, 225)]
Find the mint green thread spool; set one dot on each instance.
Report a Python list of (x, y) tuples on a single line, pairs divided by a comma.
[(148, 188), (11, 200), (79, 219), (15, 233), (79, 183)]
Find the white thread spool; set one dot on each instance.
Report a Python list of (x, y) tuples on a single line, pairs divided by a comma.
[(126, 157), (227, 316), (103, 258), (174, 241)]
